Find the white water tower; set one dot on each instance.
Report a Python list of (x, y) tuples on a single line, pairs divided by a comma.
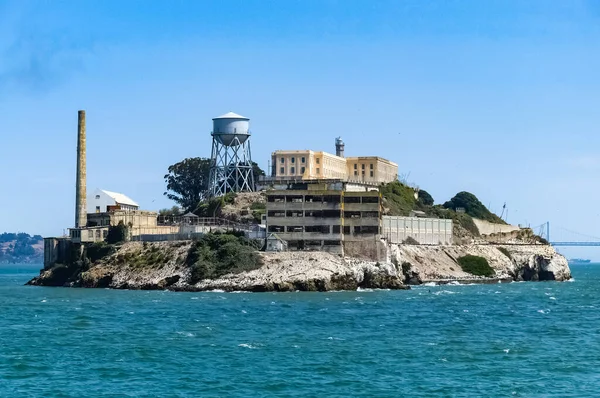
[(231, 160)]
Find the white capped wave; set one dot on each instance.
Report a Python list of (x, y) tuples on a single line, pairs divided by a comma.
[(552, 298), (444, 292), (186, 334), (430, 284), (250, 346)]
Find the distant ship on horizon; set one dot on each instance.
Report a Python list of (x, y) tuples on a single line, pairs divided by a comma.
[(576, 261)]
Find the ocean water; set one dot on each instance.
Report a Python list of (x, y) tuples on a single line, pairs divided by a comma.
[(518, 339)]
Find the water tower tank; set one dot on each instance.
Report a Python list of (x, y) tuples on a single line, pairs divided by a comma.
[(231, 129)]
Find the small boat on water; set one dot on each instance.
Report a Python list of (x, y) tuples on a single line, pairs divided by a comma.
[(578, 261)]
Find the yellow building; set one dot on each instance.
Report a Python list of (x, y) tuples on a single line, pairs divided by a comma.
[(310, 165)]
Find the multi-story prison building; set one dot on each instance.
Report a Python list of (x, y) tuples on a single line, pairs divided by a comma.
[(311, 165), (322, 216)]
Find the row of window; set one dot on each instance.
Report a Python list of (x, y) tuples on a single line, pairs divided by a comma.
[(321, 199), (325, 229), (293, 160), (363, 173), (363, 166), (293, 170), (323, 214)]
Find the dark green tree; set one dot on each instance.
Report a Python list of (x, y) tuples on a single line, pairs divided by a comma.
[(173, 211), (187, 182), (257, 172), (425, 198), (472, 206)]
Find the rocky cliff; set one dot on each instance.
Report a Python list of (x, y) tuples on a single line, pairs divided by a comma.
[(509, 262), (167, 265)]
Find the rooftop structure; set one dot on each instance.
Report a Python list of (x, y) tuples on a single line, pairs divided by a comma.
[(102, 201)]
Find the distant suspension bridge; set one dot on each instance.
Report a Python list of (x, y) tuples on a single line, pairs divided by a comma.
[(565, 237)]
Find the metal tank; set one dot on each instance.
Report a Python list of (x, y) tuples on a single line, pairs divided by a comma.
[(231, 129)]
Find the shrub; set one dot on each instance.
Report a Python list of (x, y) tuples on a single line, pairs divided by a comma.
[(215, 255), (406, 267), (399, 198), (475, 265), (98, 250)]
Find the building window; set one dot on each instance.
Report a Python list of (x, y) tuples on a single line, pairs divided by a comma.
[(355, 166), (362, 166), (302, 170), (282, 160), (282, 171), (371, 173), (303, 159), (356, 173), (293, 170), (318, 160), (318, 170), (97, 209), (293, 160), (104, 234), (90, 233), (97, 196), (371, 166)]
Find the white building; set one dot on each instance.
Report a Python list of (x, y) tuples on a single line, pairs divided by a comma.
[(102, 201)]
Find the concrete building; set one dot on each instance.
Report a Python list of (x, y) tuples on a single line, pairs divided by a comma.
[(102, 201), (324, 215), (311, 165)]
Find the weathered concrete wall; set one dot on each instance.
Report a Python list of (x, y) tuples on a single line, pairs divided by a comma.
[(426, 231), (488, 228)]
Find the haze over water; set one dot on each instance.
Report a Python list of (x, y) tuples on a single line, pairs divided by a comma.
[(519, 339)]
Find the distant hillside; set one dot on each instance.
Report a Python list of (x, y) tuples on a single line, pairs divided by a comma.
[(21, 248)]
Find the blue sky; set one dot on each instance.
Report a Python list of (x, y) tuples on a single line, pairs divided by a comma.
[(498, 98)]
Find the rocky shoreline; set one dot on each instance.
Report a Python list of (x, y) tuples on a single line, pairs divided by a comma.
[(406, 265)]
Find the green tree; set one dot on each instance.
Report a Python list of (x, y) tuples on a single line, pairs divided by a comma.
[(117, 233), (187, 182), (173, 211), (472, 206), (257, 171), (425, 198)]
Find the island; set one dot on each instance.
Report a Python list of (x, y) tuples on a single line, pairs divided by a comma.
[(318, 222)]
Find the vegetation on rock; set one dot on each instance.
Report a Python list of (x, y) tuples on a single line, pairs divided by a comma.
[(472, 206), (410, 241), (425, 198), (398, 198), (215, 255), (476, 265), (98, 250)]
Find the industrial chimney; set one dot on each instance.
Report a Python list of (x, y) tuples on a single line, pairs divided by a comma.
[(339, 147), (80, 195)]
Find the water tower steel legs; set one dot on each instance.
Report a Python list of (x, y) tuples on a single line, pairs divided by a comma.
[(231, 168)]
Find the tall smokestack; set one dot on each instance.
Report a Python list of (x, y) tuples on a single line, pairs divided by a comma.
[(80, 195), (339, 147)]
